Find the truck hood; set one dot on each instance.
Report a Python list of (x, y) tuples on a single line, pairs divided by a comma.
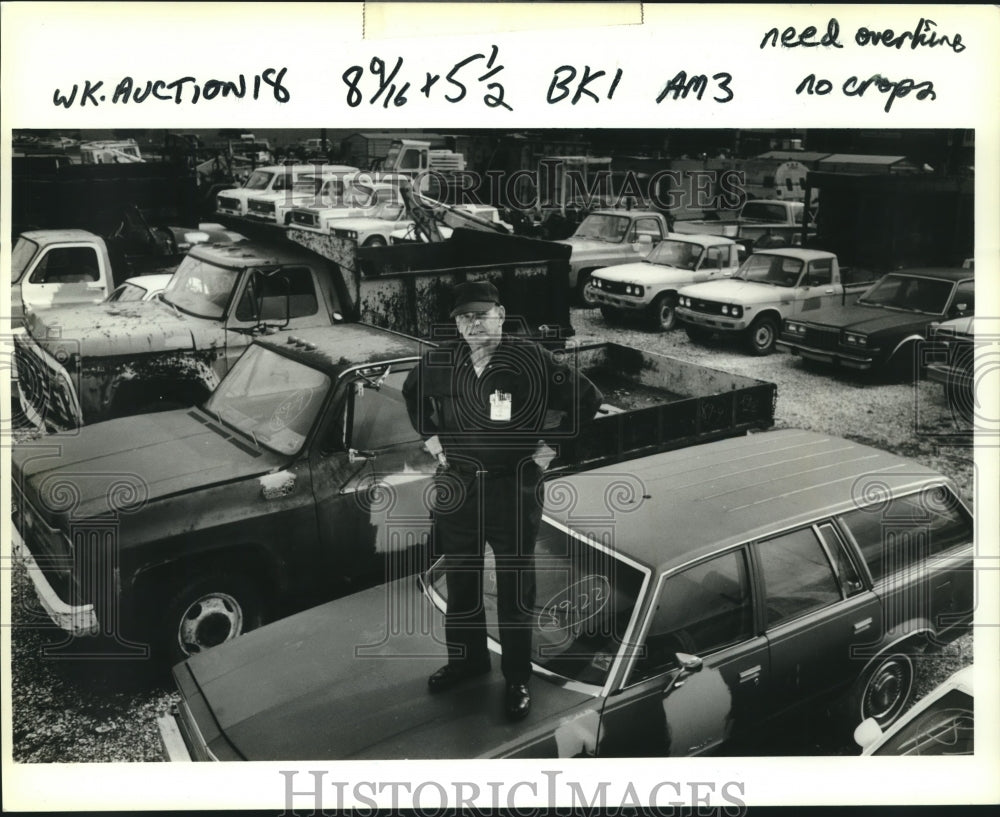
[(731, 290), (869, 320), (98, 330), (647, 274), (147, 457), (336, 682)]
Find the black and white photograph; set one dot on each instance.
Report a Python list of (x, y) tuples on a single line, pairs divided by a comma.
[(545, 443)]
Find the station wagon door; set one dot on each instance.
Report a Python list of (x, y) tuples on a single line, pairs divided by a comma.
[(706, 611), (374, 491), (820, 619)]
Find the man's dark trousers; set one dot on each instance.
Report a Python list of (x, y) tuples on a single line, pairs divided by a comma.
[(505, 510)]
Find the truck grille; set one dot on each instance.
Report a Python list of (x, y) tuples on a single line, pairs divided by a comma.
[(261, 208), (43, 392), (822, 338), (707, 307), (226, 203), (614, 287), (305, 218)]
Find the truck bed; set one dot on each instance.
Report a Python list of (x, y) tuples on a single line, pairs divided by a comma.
[(658, 403)]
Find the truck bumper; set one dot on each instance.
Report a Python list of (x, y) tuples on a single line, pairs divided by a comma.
[(78, 620), (603, 298), (716, 323), (861, 364)]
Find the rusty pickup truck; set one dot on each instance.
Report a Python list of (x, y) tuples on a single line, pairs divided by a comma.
[(97, 362)]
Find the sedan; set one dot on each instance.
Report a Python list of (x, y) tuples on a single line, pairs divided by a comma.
[(140, 288)]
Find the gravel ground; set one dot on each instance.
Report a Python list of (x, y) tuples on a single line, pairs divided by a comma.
[(69, 707)]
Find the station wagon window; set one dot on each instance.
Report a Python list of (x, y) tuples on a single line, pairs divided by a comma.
[(847, 573), (270, 291), (378, 416), (797, 576), (66, 265), (908, 529), (698, 611)]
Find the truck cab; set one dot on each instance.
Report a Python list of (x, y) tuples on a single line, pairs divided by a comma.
[(52, 268), (606, 238)]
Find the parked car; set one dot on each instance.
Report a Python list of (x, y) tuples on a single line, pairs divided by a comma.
[(140, 288), (883, 329), (942, 723), (681, 605), (949, 355), (648, 288)]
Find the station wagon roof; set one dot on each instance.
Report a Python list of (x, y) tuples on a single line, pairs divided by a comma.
[(947, 273), (334, 349), (671, 508)]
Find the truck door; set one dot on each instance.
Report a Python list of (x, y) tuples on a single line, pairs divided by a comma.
[(816, 287), (374, 484), (649, 227), (64, 274)]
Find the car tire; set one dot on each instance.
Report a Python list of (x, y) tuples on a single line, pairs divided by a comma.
[(884, 691), (663, 312), (697, 334), (762, 335), (582, 297), (207, 611), (374, 241)]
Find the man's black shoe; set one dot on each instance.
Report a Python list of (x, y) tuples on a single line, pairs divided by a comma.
[(453, 674), (517, 701)]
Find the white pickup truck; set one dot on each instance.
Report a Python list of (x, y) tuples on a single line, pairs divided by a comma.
[(326, 184), (769, 286), (272, 178), (648, 288)]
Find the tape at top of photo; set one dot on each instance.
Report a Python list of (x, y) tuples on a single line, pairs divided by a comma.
[(396, 20)]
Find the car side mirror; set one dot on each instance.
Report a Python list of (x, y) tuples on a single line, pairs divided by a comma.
[(689, 665), (867, 732), (644, 240)]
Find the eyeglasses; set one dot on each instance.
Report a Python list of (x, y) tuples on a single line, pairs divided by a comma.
[(475, 318)]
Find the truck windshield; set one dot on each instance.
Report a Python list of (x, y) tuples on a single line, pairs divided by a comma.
[(603, 227), (200, 288), (777, 270), (585, 599), (672, 253), (763, 211), (909, 293), (259, 180), (24, 251), (270, 398)]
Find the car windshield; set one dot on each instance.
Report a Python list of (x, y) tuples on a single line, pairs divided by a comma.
[(909, 293), (946, 727), (585, 600), (390, 211), (24, 251), (603, 227), (127, 292), (200, 288), (269, 398), (672, 253), (777, 270), (259, 180)]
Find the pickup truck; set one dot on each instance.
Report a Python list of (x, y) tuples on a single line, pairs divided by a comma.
[(606, 238), (648, 289), (882, 331), (326, 184), (770, 286), (298, 480), (360, 199), (86, 364), (54, 268), (272, 178), (762, 222), (691, 604)]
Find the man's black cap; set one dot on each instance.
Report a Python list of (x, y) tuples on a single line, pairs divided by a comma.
[(475, 296)]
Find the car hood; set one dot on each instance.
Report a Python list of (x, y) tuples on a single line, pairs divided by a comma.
[(869, 319), (647, 273), (732, 290), (116, 328), (336, 682), (138, 459)]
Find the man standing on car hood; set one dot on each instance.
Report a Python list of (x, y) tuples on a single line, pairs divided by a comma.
[(486, 403)]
